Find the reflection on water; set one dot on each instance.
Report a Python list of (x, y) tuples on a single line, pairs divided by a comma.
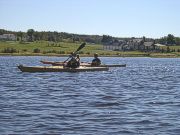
[(143, 98)]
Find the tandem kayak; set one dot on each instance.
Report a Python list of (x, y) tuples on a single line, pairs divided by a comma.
[(60, 69), (53, 63), (82, 64)]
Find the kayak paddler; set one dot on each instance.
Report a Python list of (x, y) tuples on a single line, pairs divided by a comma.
[(73, 62), (96, 61)]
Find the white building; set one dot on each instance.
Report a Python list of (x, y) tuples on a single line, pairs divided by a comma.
[(115, 46), (7, 37)]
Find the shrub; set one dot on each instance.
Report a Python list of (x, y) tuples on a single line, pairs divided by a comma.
[(24, 50), (53, 51), (36, 50), (168, 50), (116, 49), (9, 50), (44, 52), (101, 53)]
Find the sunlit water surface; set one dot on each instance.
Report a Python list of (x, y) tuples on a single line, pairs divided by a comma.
[(142, 98)]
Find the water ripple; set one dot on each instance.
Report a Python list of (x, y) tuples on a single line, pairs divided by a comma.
[(143, 98)]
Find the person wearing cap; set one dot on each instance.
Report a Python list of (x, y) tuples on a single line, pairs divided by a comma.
[(96, 61)]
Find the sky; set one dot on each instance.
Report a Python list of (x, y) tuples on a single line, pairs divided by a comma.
[(118, 18)]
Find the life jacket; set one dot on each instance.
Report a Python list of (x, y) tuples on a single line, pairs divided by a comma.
[(96, 62), (73, 63)]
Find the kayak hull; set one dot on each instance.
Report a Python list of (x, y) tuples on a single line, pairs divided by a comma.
[(53, 63), (59, 69), (82, 64)]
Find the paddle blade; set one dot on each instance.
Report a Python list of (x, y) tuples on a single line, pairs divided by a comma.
[(81, 46)]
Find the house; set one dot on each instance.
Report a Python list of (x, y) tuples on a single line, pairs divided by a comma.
[(114, 45), (134, 44), (159, 45), (7, 37), (149, 46)]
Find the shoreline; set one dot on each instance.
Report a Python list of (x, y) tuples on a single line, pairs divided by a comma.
[(153, 55), (64, 49)]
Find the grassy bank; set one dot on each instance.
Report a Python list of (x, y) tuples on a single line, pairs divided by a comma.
[(44, 48)]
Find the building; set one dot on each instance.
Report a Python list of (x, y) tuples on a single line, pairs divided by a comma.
[(116, 45), (158, 46), (135, 44), (149, 46), (8, 37)]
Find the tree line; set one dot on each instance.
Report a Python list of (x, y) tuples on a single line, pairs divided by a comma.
[(169, 40), (32, 35)]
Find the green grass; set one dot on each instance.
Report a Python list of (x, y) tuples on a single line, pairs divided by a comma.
[(64, 48), (45, 47), (172, 47)]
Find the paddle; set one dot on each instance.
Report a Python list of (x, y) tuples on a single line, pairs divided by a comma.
[(79, 48)]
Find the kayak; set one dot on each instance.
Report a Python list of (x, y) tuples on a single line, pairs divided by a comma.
[(60, 69), (82, 64), (89, 65), (53, 63)]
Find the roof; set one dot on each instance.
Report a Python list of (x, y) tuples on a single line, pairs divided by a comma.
[(148, 43), (137, 40), (159, 45)]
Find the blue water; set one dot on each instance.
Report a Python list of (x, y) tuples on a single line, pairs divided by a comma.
[(142, 98)]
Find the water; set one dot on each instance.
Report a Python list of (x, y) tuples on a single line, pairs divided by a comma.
[(142, 98)]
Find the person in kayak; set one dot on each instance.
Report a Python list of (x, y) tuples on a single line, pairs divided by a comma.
[(73, 62), (96, 61), (78, 60)]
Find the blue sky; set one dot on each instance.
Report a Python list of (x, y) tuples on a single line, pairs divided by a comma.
[(119, 18)]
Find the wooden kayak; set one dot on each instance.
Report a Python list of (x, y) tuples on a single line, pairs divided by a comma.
[(53, 63), (60, 69), (82, 64)]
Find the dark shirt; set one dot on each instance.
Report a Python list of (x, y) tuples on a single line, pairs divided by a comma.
[(96, 62), (78, 61), (73, 63)]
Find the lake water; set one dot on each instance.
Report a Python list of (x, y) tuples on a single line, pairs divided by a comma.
[(142, 98)]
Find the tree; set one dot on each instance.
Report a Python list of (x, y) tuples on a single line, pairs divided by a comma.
[(36, 36), (55, 34), (168, 50), (106, 39), (20, 34), (144, 38), (162, 40), (170, 39), (2, 31), (51, 36), (30, 33), (177, 40)]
